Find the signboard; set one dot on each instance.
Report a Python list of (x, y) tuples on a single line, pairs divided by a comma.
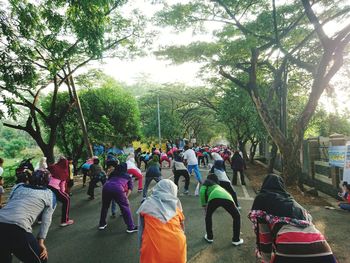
[(346, 174), (336, 155)]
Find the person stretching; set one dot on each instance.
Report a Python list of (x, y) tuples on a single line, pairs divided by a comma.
[(57, 184), (118, 188), (25, 204), (213, 196)]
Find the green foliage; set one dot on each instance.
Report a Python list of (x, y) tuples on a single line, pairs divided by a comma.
[(111, 115), (14, 147), (237, 112)]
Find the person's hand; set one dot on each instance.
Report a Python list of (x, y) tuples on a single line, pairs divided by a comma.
[(43, 254)]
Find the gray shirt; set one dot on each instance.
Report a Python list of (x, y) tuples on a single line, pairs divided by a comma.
[(24, 206)]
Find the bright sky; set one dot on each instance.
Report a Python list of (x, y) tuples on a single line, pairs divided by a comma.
[(160, 71)]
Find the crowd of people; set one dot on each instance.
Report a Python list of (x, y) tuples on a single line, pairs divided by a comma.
[(284, 231)]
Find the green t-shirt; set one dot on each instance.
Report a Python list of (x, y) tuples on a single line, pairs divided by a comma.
[(213, 192)]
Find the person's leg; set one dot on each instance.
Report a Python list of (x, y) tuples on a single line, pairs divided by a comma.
[(242, 177), (344, 206), (187, 179), (65, 200), (190, 169), (211, 207), (7, 240), (177, 175), (168, 161), (234, 177), (84, 176), (231, 208), (26, 247), (198, 174), (138, 175), (228, 187), (91, 189), (145, 187), (123, 203), (106, 202)]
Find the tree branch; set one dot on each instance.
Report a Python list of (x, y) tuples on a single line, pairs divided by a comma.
[(316, 23)]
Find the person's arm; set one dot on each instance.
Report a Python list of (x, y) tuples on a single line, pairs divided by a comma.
[(130, 187), (202, 191), (45, 225), (43, 252), (140, 230)]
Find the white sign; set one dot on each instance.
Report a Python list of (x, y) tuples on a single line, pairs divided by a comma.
[(193, 140), (346, 174)]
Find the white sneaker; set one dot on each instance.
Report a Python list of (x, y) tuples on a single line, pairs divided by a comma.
[(207, 239), (196, 192), (135, 229), (239, 208), (102, 227), (240, 242)]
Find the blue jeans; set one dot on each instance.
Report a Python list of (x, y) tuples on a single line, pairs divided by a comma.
[(196, 171), (344, 206)]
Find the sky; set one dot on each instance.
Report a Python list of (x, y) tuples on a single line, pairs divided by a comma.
[(156, 70)]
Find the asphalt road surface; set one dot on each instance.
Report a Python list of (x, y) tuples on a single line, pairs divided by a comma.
[(82, 242)]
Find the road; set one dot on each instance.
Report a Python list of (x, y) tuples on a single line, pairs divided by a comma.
[(82, 242)]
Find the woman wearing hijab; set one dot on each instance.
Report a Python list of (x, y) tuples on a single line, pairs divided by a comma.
[(59, 175), (118, 188), (219, 170), (284, 229), (237, 165), (213, 196), (161, 227)]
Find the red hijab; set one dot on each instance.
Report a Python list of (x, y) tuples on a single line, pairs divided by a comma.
[(59, 170)]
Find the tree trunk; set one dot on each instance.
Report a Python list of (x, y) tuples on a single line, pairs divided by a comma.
[(291, 168), (273, 156), (48, 151), (242, 147), (252, 151)]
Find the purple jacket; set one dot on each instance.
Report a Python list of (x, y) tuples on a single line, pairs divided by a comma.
[(119, 183)]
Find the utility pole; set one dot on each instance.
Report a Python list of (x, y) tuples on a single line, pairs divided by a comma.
[(159, 132), (80, 114)]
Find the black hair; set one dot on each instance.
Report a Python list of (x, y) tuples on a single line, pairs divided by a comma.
[(96, 161), (344, 183), (39, 178), (0, 177), (1, 160)]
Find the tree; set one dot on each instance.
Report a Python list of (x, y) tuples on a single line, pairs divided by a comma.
[(44, 44), (237, 112), (112, 118), (14, 147), (263, 42)]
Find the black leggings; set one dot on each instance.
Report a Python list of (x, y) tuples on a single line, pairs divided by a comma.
[(229, 188), (184, 173), (15, 240), (230, 207)]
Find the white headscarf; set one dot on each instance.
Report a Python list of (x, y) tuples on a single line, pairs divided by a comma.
[(42, 165), (163, 202), (216, 156)]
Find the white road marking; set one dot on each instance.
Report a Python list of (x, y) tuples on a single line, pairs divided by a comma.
[(246, 195)]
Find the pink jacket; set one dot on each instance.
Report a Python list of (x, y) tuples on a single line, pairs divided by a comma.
[(57, 184)]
